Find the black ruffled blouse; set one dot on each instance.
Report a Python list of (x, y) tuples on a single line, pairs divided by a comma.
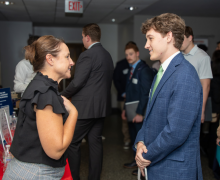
[(26, 144)]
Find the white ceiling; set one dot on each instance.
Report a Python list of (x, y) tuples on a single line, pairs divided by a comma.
[(51, 12), (197, 8)]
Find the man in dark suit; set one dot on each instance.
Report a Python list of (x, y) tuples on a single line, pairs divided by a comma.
[(168, 142), (120, 80), (139, 81), (90, 91)]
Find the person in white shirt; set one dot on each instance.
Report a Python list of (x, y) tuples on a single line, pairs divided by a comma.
[(24, 71), (201, 61)]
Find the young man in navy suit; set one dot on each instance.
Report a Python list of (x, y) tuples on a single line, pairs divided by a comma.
[(139, 81), (168, 142)]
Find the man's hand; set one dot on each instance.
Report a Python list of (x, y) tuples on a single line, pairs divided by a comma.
[(138, 119), (203, 117), (123, 115), (141, 162)]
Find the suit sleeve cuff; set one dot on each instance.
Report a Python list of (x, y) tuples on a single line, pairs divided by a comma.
[(137, 143)]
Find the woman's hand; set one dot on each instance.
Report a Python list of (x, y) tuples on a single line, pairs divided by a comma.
[(68, 105), (217, 141)]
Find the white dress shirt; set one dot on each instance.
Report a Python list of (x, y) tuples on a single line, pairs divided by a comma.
[(167, 62), (93, 44)]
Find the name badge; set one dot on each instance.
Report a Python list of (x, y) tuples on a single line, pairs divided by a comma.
[(125, 71), (134, 81)]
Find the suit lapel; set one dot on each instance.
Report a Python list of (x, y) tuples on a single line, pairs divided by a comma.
[(151, 89), (128, 80), (169, 71), (134, 73), (137, 69)]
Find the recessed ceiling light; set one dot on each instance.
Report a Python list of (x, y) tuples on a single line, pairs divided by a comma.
[(113, 20), (6, 3), (131, 8)]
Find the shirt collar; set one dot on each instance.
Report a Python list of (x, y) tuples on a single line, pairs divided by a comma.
[(193, 51), (167, 62), (46, 79), (135, 64), (93, 44)]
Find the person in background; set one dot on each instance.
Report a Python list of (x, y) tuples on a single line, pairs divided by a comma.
[(215, 96), (24, 71), (46, 121), (90, 91), (201, 61), (139, 81), (120, 81)]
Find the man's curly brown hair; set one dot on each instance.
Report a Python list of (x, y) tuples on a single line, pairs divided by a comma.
[(165, 23)]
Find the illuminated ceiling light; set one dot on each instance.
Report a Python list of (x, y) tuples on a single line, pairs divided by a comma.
[(131, 8), (6, 3), (113, 20)]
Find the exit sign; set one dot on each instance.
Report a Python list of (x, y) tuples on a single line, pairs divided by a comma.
[(73, 6)]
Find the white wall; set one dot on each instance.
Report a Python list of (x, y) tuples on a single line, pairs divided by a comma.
[(68, 34), (202, 27), (125, 34), (140, 38), (13, 37), (109, 40)]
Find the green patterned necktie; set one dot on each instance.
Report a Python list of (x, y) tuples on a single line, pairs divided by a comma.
[(159, 76)]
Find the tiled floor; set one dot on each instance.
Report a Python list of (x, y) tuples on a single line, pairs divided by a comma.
[(115, 156)]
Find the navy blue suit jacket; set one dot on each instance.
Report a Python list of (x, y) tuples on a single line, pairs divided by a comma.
[(120, 77), (171, 128), (139, 90)]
